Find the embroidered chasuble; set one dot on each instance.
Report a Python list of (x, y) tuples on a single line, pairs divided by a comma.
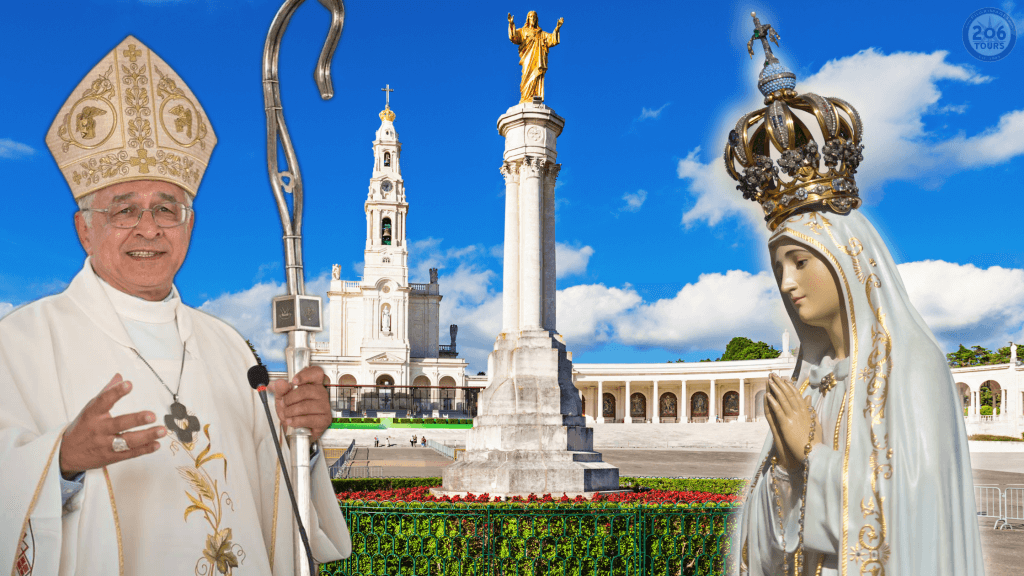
[(214, 505)]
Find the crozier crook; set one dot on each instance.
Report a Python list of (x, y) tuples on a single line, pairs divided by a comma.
[(295, 313)]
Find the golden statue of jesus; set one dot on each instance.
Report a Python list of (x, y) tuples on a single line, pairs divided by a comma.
[(533, 54)]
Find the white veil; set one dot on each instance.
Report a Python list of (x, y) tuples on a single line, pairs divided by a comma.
[(891, 492)]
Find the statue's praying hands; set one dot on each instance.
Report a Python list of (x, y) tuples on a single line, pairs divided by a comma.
[(790, 421)]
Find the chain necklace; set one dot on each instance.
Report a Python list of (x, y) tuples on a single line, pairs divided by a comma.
[(178, 421)]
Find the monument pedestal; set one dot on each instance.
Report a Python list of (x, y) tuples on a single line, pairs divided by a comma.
[(530, 436)]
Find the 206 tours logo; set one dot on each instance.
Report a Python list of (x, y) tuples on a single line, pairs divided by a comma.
[(989, 34)]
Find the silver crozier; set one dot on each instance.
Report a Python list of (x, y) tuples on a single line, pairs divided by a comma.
[(295, 313)]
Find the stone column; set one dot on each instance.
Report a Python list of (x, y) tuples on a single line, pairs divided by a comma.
[(600, 403), (684, 404), (656, 409), (531, 241), (369, 229), (1002, 404), (743, 399), (549, 288), (713, 402), (627, 417), (510, 273)]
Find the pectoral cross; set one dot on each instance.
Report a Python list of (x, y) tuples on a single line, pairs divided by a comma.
[(387, 89)]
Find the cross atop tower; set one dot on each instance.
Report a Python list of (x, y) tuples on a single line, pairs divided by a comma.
[(387, 89)]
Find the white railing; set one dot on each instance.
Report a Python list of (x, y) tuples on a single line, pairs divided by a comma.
[(352, 284), (339, 464), (1013, 506), (361, 472), (448, 451), (321, 346), (419, 288), (1003, 505)]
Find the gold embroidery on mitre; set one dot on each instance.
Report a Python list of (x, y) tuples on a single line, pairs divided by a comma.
[(131, 118)]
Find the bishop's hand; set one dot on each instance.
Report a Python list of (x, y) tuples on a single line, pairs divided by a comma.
[(304, 402), (89, 441), (790, 421), (559, 25)]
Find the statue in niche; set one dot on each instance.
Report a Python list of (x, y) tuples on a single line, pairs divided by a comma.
[(336, 272), (385, 319), (533, 54), (637, 405), (699, 405), (668, 405), (433, 275), (608, 405)]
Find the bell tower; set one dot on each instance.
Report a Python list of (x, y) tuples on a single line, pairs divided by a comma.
[(386, 252)]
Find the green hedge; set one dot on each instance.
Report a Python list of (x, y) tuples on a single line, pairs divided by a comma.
[(356, 421), (621, 539), (713, 485), (433, 420)]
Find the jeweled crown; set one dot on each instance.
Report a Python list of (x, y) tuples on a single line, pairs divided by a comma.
[(797, 180)]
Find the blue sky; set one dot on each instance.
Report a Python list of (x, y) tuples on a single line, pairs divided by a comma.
[(659, 257)]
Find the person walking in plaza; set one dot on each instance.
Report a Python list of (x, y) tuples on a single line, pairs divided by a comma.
[(412, 443), (376, 441)]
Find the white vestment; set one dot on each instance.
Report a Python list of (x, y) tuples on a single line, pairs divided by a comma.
[(890, 491), (189, 508)]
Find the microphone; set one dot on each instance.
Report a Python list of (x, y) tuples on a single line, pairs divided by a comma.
[(259, 378)]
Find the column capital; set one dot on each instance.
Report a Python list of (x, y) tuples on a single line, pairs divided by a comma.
[(510, 171), (533, 166)]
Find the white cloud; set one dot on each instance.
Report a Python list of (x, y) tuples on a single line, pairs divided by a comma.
[(893, 93), (11, 149), (707, 314), (648, 113), (571, 261), (587, 314), (248, 311), (634, 200), (964, 304), (5, 308)]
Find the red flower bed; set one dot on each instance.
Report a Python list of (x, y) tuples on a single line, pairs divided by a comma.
[(422, 494)]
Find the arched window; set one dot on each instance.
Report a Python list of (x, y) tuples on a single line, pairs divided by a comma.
[(759, 404), (990, 398), (667, 405), (608, 408), (385, 232), (637, 405), (731, 403), (387, 158), (699, 405), (965, 396)]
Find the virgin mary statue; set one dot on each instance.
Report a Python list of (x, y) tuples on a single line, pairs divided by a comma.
[(866, 469)]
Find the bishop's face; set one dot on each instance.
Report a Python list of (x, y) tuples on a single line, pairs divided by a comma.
[(143, 260), (807, 282)]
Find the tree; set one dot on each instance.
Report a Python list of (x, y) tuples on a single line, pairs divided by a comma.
[(977, 356), (741, 348)]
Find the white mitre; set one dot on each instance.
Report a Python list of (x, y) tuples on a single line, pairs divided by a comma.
[(131, 118)]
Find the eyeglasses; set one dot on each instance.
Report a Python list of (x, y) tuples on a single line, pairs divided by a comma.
[(166, 215)]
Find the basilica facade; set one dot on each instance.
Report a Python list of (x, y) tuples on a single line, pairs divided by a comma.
[(382, 352)]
